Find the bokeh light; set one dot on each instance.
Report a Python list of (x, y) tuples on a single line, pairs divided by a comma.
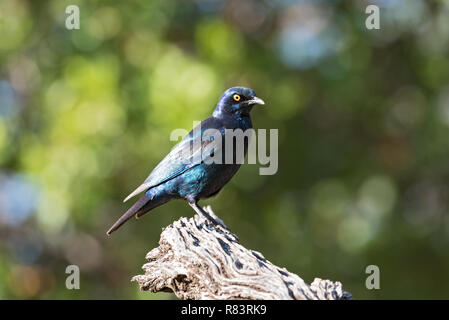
[(363, 119)]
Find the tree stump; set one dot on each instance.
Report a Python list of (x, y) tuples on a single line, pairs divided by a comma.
[(197, 259)]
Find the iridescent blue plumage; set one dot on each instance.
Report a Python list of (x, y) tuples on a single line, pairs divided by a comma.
[(182, 174)]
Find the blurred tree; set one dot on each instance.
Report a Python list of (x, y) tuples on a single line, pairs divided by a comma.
[(363, 119)]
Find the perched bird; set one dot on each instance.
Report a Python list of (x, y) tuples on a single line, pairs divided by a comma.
[(181, 174)]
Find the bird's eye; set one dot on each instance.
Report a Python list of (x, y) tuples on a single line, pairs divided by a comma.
[(236, 97)]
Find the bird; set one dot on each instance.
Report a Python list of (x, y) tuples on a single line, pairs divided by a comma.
[(181, 174)]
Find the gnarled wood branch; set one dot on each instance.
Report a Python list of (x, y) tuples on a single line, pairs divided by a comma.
[(199, 260)]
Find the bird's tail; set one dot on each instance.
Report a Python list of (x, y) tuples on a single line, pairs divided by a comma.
[(142, 206)]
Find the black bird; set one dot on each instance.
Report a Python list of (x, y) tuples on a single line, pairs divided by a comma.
[(182, 174)]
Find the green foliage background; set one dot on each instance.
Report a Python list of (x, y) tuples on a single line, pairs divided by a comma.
[(363, 119)]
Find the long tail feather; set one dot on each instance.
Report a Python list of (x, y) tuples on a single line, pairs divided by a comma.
[(131, 211)]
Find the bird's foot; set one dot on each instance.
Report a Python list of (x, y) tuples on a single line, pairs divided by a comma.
[(218, 222), (211, 217), (215, 220)]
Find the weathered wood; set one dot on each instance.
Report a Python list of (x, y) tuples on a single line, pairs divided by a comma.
[(199, 260)]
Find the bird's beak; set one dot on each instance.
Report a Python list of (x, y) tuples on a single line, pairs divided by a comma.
[(256, 100)]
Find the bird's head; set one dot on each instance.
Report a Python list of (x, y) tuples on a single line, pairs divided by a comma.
[(237, 100)]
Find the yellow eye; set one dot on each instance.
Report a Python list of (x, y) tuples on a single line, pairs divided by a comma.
[(236, 97)]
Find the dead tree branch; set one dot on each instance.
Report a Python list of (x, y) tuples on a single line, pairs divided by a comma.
[(198, 260)]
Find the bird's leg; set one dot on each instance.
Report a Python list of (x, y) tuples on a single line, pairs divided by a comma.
[(200, 211)]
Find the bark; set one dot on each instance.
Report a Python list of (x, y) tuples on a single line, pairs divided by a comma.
[(197, 259)]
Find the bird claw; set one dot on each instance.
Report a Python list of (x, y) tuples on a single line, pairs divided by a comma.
[(217, 222), (211, 216)]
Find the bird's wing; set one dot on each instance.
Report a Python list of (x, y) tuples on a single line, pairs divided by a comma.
[(191, 151)]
